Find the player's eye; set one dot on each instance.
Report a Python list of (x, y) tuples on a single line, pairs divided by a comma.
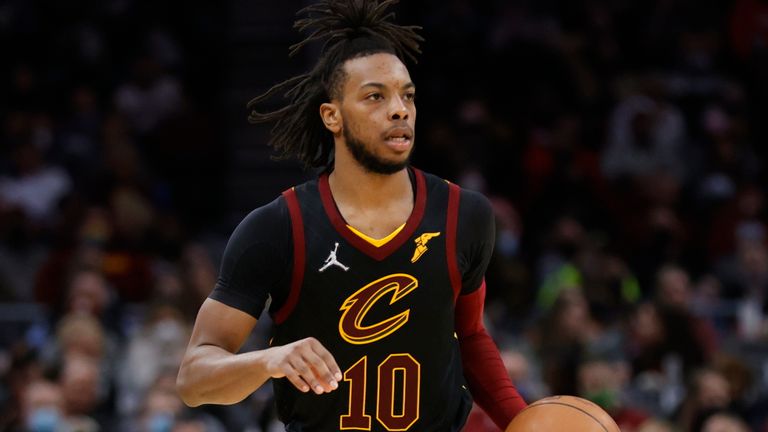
[(410, 96), (375, 96)]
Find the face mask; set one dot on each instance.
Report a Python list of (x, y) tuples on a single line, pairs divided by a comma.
[(162, 422), (43, 420)]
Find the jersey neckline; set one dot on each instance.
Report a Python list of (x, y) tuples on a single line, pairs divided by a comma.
[(377, 253)]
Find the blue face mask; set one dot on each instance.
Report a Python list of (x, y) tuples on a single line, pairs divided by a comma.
[(43, 420), (162, 422)]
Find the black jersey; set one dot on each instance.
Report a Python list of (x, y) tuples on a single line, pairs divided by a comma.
[(385, 313)]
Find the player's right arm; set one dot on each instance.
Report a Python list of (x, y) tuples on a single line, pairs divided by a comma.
[(256, 264), (211, 372)]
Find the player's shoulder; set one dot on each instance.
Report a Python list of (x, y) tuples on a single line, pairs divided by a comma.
[(269, 223), (276, 211), (308, 187), (475, 209), (271, 212)]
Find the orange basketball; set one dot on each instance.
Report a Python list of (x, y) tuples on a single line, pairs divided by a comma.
[(563, 413)]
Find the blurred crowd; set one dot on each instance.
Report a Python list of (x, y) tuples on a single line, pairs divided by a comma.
[(618, 140)]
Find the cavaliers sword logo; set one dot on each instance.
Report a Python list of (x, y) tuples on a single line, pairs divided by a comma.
[(356, 306), (421, 245)]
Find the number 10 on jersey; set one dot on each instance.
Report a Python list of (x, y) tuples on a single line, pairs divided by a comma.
[(398, 371)]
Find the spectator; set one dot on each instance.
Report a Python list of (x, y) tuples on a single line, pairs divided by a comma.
[(708, 390), (35, 188), (88, 293), (153, 351), (604, 379), (646, 136), (674, 295), (150, 97), (80, 384), (723, 422), (42, 407), (565, 334), (745, 279)]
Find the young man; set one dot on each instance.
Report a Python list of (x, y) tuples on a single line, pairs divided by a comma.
[(374, 270)]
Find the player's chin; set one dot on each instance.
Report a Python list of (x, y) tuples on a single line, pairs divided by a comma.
[(389, 165), (399, 161), (399, 153)]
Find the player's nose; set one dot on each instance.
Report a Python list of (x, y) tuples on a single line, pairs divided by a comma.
[(398, 110)]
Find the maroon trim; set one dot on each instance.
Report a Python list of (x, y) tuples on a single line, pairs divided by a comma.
[(299, 257), (450, 242), (377, 253), (469, 312)]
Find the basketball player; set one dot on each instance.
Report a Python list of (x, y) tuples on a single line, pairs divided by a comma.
[(374, 270)]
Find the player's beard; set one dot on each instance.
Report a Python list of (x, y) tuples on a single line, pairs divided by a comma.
[(369, 161)]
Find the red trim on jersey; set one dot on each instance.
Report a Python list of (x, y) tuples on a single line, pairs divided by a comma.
[(469, 312), (484, 370), (299, 256), (450, 242), (377, 253)]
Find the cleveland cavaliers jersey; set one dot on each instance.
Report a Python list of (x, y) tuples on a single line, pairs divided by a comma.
[(386, 313)]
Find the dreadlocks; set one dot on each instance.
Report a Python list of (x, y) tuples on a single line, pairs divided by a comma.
[(349, 29)]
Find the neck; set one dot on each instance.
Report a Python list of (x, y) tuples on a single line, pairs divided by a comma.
[(374, 204), (353, 184)]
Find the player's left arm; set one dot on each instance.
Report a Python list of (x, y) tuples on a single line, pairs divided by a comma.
[(484, 370)]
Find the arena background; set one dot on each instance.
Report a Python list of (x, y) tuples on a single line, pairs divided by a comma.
[(622, 143)]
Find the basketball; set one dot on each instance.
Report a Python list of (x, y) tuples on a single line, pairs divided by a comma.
[(563, 413)]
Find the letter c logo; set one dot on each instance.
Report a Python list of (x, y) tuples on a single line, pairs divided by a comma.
[(357, 305)]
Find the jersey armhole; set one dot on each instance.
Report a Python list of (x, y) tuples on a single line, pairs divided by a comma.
[(454, 193), (299, 256)]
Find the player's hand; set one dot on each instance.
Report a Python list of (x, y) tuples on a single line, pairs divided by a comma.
[(306, 364)]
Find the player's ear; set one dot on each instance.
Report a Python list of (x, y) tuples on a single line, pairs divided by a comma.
[(331, 116)]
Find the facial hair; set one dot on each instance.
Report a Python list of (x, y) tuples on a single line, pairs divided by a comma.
[(369, 161)]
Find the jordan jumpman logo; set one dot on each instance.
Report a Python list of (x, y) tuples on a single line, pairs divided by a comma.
[(331, 260)]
